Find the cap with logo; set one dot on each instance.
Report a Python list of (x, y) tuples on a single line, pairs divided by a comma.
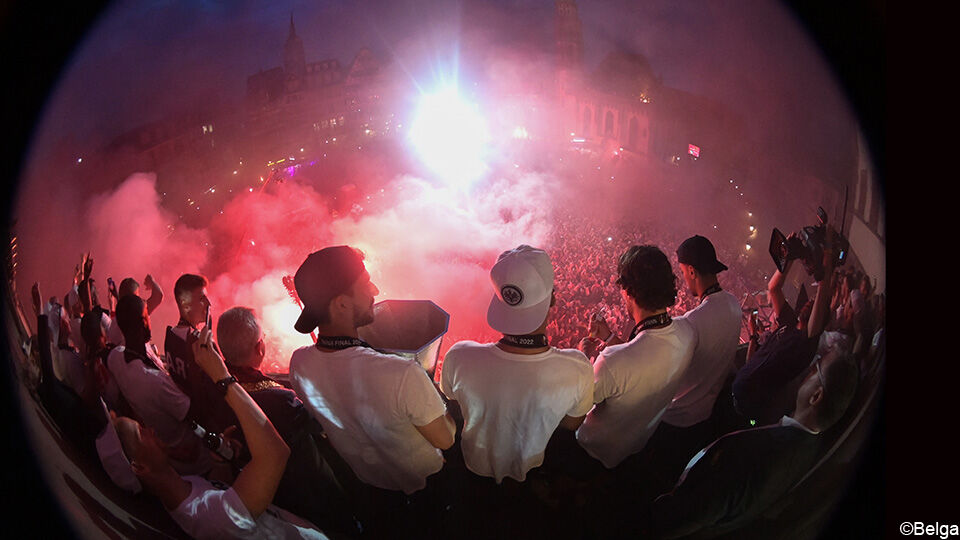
[(523, 285)]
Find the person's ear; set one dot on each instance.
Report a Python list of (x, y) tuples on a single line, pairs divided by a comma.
[(816, 396), (138, 468), (261, 348), (553, 298)]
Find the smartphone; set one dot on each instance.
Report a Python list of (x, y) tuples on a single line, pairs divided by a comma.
[(209, 318)]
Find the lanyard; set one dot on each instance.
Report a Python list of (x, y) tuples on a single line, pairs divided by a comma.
[(654, 321), (340, 342), (533, 341), (710, 290)]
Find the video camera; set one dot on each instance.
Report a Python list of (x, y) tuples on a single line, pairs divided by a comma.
[(807, 246)]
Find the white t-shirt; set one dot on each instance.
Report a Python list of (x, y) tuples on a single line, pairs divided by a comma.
[(114, 334), (369, 404), (716, 325), (158, 402), (634, 383), (210, 512), (512, 403)]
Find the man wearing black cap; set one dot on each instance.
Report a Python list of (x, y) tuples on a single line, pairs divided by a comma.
[(382, 413), (686, 425)]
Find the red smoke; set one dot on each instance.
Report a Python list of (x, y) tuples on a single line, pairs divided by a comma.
[(421, 242)]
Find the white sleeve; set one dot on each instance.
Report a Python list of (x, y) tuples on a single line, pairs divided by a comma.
[(446, 375), (172, 399), (214, 514), (585, 393), (604, 385)]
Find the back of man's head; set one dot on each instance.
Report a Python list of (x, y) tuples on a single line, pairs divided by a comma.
[(238, 333), (646, 275), (323, 276), (698, 252), (130, 314), (187, 283), (90, 329), (840, 379), (128, 286), (523, 280)]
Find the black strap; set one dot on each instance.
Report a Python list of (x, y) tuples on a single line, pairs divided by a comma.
[(531, 341), (130, 355), (654, 321), (715, 288)]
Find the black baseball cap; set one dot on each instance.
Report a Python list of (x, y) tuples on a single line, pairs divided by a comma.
[(322, 276), (698, 252)]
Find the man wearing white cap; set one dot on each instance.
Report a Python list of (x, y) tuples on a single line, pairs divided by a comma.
[(381, 412), (514, 393)]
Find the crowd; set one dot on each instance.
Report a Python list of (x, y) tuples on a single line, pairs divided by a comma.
[(582, 248), (614, 404)]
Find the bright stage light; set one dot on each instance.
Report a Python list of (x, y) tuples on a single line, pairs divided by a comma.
[(450, 135)]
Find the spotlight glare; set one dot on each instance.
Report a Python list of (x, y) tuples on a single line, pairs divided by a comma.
[(450, 135)]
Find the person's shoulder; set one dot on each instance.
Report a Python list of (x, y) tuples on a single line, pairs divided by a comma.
[(613, 353), (466, 347), (685, 329), (680, 324), (573, 356), (116, 354), (301, 355)]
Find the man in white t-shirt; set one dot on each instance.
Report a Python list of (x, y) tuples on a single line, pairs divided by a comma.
[(205, 509), (514, 393), (686, 426), (635, 381), (151, 393), (381, 412), (716, 321)]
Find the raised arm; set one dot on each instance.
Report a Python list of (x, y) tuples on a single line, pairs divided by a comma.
[(257, 482), (156, 293), (775, 288), (820, 314)]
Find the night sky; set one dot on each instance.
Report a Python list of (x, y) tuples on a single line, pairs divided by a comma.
[(139, 61), (142, 60)]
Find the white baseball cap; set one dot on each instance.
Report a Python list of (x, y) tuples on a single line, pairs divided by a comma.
[(523, 284)]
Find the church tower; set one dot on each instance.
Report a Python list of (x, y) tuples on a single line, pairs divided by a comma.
[(569, 67), (294, 61), (568, 35)]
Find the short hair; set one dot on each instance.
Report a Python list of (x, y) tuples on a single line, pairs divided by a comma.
[(645, 273), (840, 378), (130, 313), (188, 282), (237, 334), (127, 286)]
